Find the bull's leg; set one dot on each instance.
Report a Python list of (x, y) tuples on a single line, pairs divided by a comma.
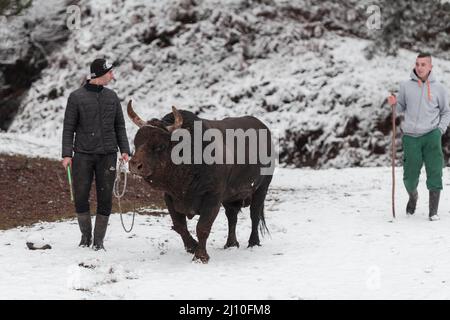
[(254, 215), (257, 212), (207, 216), (231, 212), (180, 226)]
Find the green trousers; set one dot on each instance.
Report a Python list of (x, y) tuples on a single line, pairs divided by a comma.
[(418, 150)]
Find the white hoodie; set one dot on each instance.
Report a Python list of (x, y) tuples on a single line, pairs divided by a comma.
[(426, 106)]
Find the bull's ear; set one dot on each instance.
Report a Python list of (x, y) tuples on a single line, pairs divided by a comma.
[(178, 122), (133, 116)]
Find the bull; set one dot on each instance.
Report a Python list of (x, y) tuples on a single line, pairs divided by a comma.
[(191, 188)]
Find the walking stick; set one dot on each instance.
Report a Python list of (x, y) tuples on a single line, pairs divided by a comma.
[(394, 149), (69, 177)]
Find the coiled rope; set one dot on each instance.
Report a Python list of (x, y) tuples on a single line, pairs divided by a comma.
[(121, 168)]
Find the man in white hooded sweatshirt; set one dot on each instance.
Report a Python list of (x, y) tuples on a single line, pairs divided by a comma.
[(425, 104)]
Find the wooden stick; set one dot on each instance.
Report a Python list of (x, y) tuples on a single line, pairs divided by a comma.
[(394, 149)]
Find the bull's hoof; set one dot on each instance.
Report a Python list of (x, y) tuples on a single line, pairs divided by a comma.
[(253, 243), (202, 257), (231, 244)]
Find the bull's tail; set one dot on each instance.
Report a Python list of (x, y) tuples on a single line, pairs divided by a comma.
[(262, 224), (258, 202)]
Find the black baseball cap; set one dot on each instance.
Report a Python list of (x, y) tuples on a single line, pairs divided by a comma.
[(99, 67)]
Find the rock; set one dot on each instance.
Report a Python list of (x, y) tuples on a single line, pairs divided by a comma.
[(32, 246), (36, 241)]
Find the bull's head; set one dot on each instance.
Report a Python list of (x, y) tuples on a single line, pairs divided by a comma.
[(152, 144)]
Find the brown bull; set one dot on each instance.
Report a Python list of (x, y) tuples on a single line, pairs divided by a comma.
[(199, 188)]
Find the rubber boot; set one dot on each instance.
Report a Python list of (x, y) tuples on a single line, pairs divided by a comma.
[(101, 224), (411, 206), (85, 224), (434, 204)]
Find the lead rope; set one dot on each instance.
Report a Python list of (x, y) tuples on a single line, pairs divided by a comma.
[(121, 168)]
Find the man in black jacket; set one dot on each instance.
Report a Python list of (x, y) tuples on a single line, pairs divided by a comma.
[(94, 115)]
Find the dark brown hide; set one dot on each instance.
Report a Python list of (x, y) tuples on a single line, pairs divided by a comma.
[(200, 189)]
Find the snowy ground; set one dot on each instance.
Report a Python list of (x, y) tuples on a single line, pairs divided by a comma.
[(331, 238)]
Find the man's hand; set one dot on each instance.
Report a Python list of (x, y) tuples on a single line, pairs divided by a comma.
[(66, 161), (392, 100), (125, 157)]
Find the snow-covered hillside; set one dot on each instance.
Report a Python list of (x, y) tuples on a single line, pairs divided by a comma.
[(27, 39), (331, 238), (231, 58)]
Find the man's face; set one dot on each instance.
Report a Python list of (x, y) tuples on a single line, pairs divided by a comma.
[(423, 67), (107, 77)]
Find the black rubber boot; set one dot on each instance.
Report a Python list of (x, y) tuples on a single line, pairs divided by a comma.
[(101, 224), (434, 204), (411, 206), (85, 224)]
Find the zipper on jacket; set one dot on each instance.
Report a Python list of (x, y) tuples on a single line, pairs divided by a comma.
[(418, 110), (100, 111)]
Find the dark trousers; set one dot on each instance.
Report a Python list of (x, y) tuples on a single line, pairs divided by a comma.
[(84, 167)]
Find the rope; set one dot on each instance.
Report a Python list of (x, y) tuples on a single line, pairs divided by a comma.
[(121, 168)]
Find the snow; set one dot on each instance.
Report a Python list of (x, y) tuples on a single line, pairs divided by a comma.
[(331, 231), (306, 88), (15, 40), (28, 145), (37, 240), (331, 237)]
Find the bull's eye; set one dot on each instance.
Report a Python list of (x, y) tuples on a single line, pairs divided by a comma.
[(160, 148)]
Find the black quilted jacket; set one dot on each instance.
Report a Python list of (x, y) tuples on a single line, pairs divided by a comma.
[(94, 116)]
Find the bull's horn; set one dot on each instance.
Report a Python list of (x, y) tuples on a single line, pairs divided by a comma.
[(134, 117), (178, 122)]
